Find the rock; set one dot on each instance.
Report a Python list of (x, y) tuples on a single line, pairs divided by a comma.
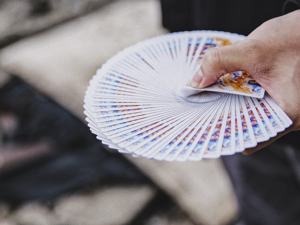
[(202, 189), (32, 214), (60, 62), (4, 77), (21, 18), (7, 222), (110, 206), (4, 211)]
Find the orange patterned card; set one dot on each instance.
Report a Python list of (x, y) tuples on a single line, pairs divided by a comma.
[(240, 83)]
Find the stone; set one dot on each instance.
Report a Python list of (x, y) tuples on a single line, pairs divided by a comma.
[(4, 77), (7, 222), (109, 206), (33, 213), (61, 61), (21, 18), (4, 211), (202, 189)]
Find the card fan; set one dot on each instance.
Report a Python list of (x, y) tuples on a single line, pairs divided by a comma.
[(140, 102)]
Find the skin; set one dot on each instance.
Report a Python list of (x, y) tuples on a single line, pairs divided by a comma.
[(271, 55)]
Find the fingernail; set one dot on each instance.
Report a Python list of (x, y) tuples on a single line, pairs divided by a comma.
[(197, 79)]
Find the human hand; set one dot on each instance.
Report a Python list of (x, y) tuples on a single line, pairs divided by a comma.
[(271, 55)]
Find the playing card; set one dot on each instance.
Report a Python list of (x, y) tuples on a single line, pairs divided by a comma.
[(136, 102), (248, 134), (273, 118), (215, 143), (284, 119), (259, 130), (228, 144), (239, 128), (262, 115), (189, 134), (203, 142), (240, 83)]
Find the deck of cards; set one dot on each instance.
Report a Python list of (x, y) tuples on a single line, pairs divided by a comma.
[(140, 102)]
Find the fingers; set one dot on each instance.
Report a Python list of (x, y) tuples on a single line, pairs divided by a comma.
[(219, 61)]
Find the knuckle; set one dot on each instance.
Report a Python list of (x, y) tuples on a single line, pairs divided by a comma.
[(258, 57), (254, 50), (212, 57), (213, 63)]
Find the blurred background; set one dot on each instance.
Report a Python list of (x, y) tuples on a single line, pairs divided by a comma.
[(53, 171)]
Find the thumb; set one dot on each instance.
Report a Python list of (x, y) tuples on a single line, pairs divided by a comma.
[(218, 62)]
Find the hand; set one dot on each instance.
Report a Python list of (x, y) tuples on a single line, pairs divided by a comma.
[(271, 55)]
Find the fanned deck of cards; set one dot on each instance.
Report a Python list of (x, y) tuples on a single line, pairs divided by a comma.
[(140, 102)]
